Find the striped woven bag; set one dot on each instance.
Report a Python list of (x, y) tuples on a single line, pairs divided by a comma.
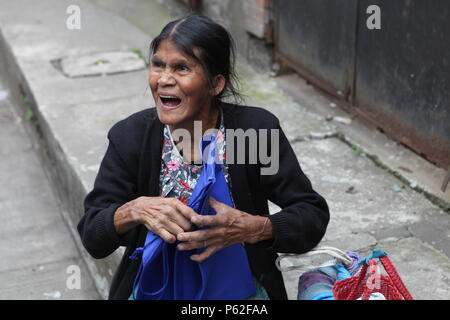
[(347, 277)]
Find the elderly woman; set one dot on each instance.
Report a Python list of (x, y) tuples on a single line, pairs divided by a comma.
[(147, 176)]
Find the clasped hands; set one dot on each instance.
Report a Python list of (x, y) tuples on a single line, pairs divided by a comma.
[(229, 226), (172, 220)]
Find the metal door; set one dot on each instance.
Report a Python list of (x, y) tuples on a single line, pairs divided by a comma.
[(317, 39)]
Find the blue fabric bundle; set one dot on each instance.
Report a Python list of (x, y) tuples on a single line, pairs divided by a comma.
[(317, 284), (169, 274)]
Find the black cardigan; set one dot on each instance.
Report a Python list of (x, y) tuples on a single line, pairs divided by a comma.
[(131, 167)]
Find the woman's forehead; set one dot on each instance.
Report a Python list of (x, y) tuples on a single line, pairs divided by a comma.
[(167, 49)]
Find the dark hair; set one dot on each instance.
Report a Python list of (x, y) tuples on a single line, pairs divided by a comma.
[(217, 49)]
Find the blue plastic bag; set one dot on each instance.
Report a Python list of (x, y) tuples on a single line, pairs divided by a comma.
[(169, 274)]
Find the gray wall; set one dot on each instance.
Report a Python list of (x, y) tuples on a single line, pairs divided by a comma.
[(247, 21)]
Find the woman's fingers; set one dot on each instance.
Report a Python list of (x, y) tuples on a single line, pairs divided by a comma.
[(166, 236), (209, 220), (219, 207), (185, 212), (228, 226), (172, 220), (173, 228), (163, 233), (192, 245), (163, 225), (198, 235), (208, 252), (172, 210), (219, 219), (205, 254), (173, 213)]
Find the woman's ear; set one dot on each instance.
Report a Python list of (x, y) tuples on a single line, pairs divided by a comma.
[(219, 85)]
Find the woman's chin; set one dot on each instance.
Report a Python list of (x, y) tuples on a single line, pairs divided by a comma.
[(170, 107), (169, 116)]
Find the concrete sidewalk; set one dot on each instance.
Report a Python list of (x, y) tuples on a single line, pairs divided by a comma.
[(38, 254), (373, 203)]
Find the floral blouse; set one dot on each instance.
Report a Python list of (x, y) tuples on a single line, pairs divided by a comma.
[(178, 178)]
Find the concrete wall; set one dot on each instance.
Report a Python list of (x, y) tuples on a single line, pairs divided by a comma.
[(249, 23)]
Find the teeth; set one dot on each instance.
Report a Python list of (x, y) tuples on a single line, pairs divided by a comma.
[(169, 97)]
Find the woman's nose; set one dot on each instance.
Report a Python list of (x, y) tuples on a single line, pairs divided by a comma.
[(166, 79)]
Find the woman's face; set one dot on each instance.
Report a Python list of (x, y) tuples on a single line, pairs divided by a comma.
[(179, 86)]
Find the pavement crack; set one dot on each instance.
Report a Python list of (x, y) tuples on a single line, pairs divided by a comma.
[(360, 150), (314, 136)]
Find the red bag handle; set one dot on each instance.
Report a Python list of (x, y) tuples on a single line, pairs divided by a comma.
[(395, 277)]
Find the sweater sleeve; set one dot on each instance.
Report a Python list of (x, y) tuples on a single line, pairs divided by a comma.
[(303, 219), (113, 187)]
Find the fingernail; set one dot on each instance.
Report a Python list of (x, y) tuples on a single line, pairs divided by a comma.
[(180, 247), (181, 237)]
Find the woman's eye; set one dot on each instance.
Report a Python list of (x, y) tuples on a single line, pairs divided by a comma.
[(157, 64), (182, 68)]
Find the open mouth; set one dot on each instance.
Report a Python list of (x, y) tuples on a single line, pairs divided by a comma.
[(170, 101)]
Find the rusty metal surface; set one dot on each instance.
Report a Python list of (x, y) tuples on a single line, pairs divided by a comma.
[(310, 77), (317, 39), (433, 148), (396, 78), (403, 74)]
